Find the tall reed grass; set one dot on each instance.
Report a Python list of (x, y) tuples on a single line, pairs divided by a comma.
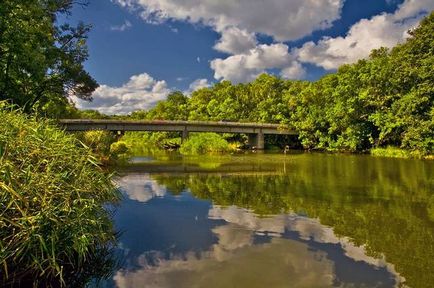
[(53, 215)]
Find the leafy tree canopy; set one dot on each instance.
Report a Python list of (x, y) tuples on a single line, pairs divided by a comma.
[(41, 58)]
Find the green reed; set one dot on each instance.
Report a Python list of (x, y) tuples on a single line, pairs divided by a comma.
[(53, 193)]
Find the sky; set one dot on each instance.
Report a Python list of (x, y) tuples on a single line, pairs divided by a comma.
[(141, 50)]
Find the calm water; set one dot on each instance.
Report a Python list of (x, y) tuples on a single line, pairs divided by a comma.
[(296, 220)]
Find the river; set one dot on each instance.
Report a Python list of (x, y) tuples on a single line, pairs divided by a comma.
[(275, 220)]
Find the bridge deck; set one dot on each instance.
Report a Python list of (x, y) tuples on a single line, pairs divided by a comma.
[(163, 125)]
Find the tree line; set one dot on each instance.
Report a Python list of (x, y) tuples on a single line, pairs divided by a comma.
[(386, 99)]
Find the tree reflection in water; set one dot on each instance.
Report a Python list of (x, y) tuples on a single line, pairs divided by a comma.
[(336, 220)]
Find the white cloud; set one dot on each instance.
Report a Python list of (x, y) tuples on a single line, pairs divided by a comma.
[(235, 41), (239, 21), (294, 71), (198, 84), (126, 25), (247, 66), (140, 92), (384, 30), (282, 19)]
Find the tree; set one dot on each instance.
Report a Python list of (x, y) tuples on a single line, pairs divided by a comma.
[(175, 107), (41, 59)]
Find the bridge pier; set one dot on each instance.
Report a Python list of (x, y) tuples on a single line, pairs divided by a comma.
[(118, 134), (184, 135), (257, 140)]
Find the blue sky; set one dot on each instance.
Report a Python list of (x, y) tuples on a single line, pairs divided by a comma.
[(141, 50)]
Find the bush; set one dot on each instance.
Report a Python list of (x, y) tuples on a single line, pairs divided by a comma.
[(203, 143), (52, 196), (141, 141), (118, 148), (98, 140)]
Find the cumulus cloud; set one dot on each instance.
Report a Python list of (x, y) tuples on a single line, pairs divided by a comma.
[(294, 71), (140, 92), (198, 84), (235, 41), (384, 30), (247, 66), (126, 25), (282, 19), (239, 21)]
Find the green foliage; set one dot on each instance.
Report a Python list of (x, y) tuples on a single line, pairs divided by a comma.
[(390, 152), (175, 107), (394, 152), (104, 144), (140, 141), (99, 142), (202, 143), (384, 100), (118, 148), (52, 194), (91, 114), (40, 59)]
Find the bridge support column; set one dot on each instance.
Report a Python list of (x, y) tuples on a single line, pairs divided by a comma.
[(118, 134), (184, 135), (257, 140)]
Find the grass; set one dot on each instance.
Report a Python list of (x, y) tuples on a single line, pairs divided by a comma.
[(104, 145), (53, 220), (395, 152)]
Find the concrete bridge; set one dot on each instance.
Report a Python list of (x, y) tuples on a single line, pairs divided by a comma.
[(255, 131)]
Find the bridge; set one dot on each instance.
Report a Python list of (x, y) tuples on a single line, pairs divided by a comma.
[(255, 131)]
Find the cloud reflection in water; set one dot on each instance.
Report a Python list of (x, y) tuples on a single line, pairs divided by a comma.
[(238, 257)]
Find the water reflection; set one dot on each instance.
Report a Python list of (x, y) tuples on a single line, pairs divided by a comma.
[(268, 220), (140, 187)]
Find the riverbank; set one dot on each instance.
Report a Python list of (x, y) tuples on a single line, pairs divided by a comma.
[(139, 143)]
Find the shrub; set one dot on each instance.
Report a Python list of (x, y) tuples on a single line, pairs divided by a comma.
[(142, 141), (52, 196), (118, 148), (98, 140), (203, 143)]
